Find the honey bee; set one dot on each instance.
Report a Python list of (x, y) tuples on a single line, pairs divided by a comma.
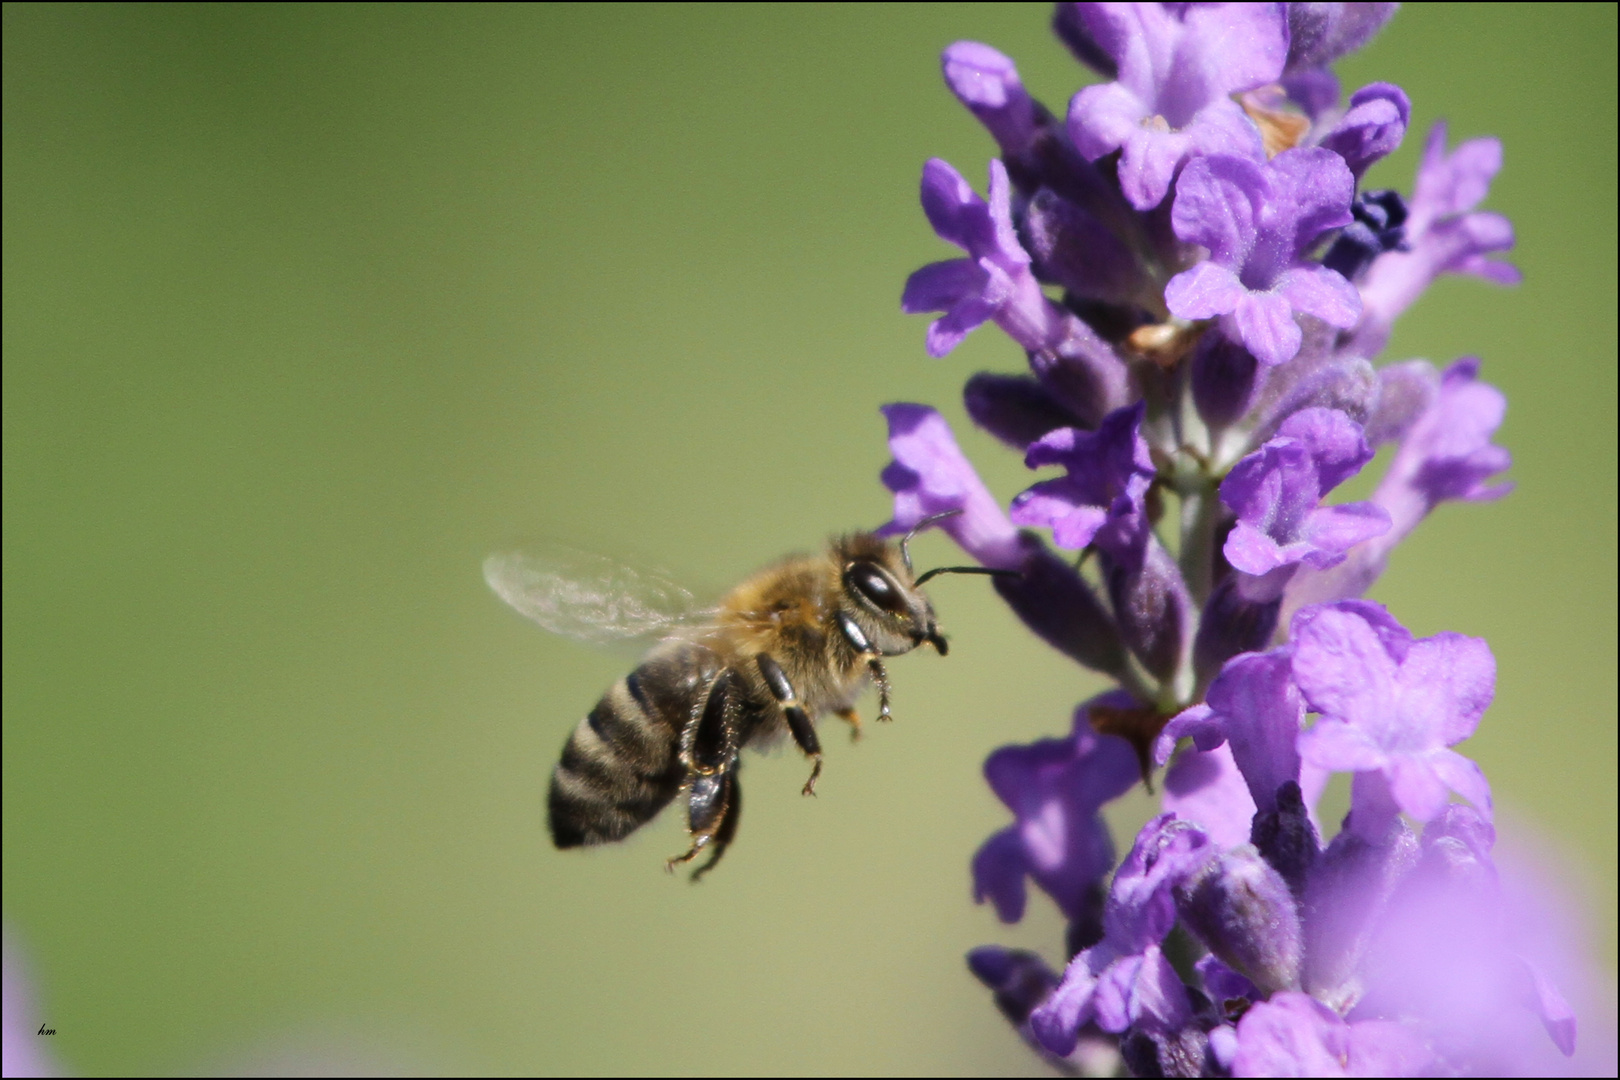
[(793, 642)]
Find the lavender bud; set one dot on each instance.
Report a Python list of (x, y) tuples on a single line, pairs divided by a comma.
[(1379, 226), (1066, 24), (1020, 980), (1320, 33), (1086, 928), (1152, 605), (1060, 608), (1014, 408), (1286, 838), (1318, 378), (1223, 379), (1177, 1053), (1231, 624), (987, 82), (1084, 373), (1071, 248), (1241, 908)]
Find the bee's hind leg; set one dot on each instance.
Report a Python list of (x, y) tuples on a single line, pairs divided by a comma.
[(713, 808), (804, 732), (710, 754)]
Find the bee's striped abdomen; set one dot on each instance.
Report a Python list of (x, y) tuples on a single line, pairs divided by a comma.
[(620, 766)]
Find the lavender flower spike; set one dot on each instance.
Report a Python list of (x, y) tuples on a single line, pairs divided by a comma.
[(930, 475), (994, 282), (1391, 708), (1258, 223), (1276, 493), (1205, 382), (1444, 234), (1177, 67)]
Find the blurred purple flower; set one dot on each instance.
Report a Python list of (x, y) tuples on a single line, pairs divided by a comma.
[(1391, 707), (1055, 789), (1293, 1034), (1444, 234)]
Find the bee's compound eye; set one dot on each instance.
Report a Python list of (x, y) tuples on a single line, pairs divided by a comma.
[(874, 585)]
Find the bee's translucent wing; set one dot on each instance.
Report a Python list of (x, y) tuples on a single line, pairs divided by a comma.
[(590, 597)]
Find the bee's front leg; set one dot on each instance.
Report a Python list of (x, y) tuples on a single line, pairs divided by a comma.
[(804, 732), (880, 676), (874, 661)]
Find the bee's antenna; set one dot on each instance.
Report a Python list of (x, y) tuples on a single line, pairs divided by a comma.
[(905, 541), (938, 570)]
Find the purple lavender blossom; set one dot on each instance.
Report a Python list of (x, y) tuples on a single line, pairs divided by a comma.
[(1206, 379), (1100, 500), (1255, 709), (1258, 222), (993, 282), (1319, 34), (929, 475), (1124, 980), (1444, 234), (987, 82), (1372, 128), (1276, 493), (1444, 424), (1391, 709), (1055, 788), (1178, 66)]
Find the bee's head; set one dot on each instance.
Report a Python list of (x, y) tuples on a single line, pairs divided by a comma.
[(880, 596)]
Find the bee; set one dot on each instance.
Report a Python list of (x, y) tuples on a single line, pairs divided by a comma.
[(795, 641)]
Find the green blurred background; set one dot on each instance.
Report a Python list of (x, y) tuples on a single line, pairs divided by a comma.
[(307, 309)]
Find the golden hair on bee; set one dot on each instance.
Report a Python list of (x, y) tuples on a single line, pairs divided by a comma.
[(790, 644)]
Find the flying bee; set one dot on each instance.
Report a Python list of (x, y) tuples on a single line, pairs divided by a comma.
[(793, 642)]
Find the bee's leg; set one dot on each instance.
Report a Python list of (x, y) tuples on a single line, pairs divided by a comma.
[(853, 718), (709, 751), (709, 741), (804, 732), (874, 660), (881, 678), (712, 803), (728, 825)]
